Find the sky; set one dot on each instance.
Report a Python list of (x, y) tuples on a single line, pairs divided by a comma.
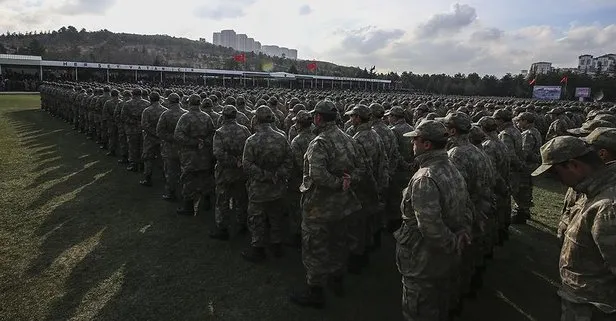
[(437, 36)]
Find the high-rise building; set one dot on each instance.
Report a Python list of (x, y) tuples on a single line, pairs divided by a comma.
[(250, 45), (590, 64), (241, 42), (228, 38), (217, 39), (539, 68)]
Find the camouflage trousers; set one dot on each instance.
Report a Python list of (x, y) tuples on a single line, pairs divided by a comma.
[(195, 184), (104, 137), (265, 222), (524, 195), (583, 312), (134, 147), (425, 299), (235, 191), (294, 206), (324, 250), (122, 143), (171, 168), (151, 152), (112, 137)]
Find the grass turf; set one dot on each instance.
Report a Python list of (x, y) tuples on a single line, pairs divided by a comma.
[(82, 240)]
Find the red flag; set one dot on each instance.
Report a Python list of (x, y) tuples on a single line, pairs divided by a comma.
[(312, 66), (532, 82), (564, 80), (240, 58)]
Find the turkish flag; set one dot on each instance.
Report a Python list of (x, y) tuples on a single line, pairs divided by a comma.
[(564, 80), (532, 82), (312, 66), (240, 58)]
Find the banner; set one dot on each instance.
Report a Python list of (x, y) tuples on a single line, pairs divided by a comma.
[(582, 92), (547, 92)]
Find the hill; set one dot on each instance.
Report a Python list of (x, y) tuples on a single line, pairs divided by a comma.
[(68, 43)]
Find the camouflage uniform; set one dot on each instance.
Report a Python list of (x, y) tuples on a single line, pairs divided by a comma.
[(169, 148), (151, 141), (119, 121), (531, 143), (588, 255), (101, 117), (194, 137), (110, 122), (268, 163), (433, 215), (230, 179), (131, 117), (512, 138)]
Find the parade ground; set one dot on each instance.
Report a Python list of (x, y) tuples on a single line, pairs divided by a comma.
[(80, 239)]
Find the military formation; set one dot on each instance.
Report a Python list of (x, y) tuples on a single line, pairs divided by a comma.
[(331, 173)]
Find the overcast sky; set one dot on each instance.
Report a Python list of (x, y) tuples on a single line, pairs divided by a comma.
[(438, 36)]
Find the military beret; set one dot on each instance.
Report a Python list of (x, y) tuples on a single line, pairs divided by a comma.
[(360, 110), (431, 130), (559, 150)]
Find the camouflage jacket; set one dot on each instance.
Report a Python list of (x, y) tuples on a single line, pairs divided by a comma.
[(213, 115), (165, 130), (390, 143), (588, 255), (299, 146), (229, 142), (531, 145), (405, 146), (328, 157), (433, 209), (149, 121), (131, 115), (497, 151), (557, 128), (268, 162), (109, 109), (194, 134), (372, 152), (99, 109), (512, 138)]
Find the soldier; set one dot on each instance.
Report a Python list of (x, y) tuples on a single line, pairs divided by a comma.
[(117, 116), (364, 223), (208, 107), (304, 135), (131, 117), (169, 149), (559, 126), (230, 179), (531, 143), (109, 120), (434, 229), (292, 131), (151, 141), (332, 167), (588, 253), (102, 118), (268, 163), (194, 135)]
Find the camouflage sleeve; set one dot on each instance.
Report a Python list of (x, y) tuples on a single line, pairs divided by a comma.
[(181, 134), (284, 171), (361, 167), (604, 233), (144, 121), (249, 163), (161, 129), (565, 213), (513, 157), (384, 170), (317, 166), (298, 154), (221, 155), (528, 141), (425, 197)]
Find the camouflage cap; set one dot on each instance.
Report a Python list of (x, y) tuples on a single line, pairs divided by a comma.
[(174, 98), (230, 101), (556, 111), (607, 117), (487, 123), (297, 107), (589, 126), (264, 114), (529, 117), (194, 100), (154, 96), (377, 110), (431, 130), (115, 93), (302, 117), (360, 110), (503, 114), (229, 111), (603, 137), (325, 107), (207, 103), (476, 135), (136, 92), (457, 120), (559, 150), (395, 111)]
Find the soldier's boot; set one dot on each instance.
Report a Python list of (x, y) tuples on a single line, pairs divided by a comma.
[(311, 296), (277, 250), (132, 167), (354, 264), (336, 284), (169, 196), (221, 234), (123, 160), (254, 254), (188, 208), (103, 146), (147, 181)]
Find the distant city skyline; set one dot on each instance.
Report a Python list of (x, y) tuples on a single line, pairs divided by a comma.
[(241, 42)]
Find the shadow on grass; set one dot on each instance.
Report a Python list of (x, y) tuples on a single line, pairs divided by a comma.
[(117, 252)]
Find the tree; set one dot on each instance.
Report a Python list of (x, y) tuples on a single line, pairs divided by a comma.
[(292, 69)]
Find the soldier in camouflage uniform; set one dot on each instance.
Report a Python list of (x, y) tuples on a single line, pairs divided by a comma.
[(434, 229), (194, 136), (169, 148), (303, 127), (101, 118), (131, 117), (208, 107), (268, 162), (588, 254), (119, 121), (560, 124), (151, 141), (364, 223), (332, 168), (531, 143), (230, 179), (110, 122)]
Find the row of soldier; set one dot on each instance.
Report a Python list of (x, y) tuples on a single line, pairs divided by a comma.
[(342, 188)]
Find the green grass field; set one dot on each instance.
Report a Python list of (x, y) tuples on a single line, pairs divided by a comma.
[(80, 239)]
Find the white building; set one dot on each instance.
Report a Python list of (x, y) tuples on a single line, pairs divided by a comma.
[(241, 42), (590, 64), (228, 38), (540, 68)]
